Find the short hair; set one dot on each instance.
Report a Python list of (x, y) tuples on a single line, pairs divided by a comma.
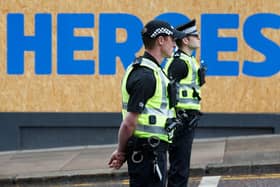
[(179, 43), (148, 42)]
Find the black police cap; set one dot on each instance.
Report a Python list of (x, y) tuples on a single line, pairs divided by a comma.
[(156, 28), (188, 28)]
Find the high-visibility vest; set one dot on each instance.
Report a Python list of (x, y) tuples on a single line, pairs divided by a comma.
[(152, 121), (188, 85)]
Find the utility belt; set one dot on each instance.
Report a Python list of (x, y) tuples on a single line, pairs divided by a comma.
[(147, 148), (146, 144), (189, 118)]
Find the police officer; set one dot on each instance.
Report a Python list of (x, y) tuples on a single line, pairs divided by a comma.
[(142, 138), (190, 76)]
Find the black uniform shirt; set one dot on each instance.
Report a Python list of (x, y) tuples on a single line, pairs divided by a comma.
[(178, 68), (141, 86)]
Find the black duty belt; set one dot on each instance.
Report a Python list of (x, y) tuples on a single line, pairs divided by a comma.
[(147, 144), (188, 112)]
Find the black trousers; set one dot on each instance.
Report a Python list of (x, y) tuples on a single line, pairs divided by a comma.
[(141, 174), (179, 158)]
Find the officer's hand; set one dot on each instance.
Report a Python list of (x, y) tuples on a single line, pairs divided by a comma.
[(117, 159), (201, 76)]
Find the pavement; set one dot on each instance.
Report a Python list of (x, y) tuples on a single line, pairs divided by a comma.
[(219, 156)]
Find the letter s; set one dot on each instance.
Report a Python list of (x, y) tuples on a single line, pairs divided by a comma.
[(254, 38)]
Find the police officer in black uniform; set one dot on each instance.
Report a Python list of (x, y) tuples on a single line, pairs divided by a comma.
[(142, 138), (190, 76)]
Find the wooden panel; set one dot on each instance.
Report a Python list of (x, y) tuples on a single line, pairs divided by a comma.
[(96, 93)]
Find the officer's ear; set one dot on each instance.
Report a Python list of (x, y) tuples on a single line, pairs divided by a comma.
[(185, 40), (160, 40)]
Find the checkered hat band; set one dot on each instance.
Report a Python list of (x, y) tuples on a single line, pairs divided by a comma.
[(161, 30)]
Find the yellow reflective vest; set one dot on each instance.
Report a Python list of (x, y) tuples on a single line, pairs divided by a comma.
[(188, 85), (156, 108)]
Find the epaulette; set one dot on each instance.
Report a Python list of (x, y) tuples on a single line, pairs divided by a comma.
[(177, 54), (137, 62)]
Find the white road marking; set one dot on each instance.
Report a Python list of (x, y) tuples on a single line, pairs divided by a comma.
[(209, 181)]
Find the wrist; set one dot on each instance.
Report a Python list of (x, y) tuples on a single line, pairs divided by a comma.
[(120, 150)]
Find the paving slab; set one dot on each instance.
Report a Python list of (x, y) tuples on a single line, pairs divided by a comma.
[(204, 153), (209, 157), (28, 162)]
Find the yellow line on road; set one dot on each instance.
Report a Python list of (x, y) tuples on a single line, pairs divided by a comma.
[(195, 178), (225, 178), (83, 184), (244, 177), (126, 181), (251, 177)]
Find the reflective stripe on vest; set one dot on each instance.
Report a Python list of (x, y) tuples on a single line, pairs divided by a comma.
[(150, 129), (186, 85), (157, 105)]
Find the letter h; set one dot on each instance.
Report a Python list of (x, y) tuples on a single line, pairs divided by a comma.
[(40, 43)]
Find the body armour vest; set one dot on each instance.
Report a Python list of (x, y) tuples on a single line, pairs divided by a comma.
[(152, 120), (188, 92)]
